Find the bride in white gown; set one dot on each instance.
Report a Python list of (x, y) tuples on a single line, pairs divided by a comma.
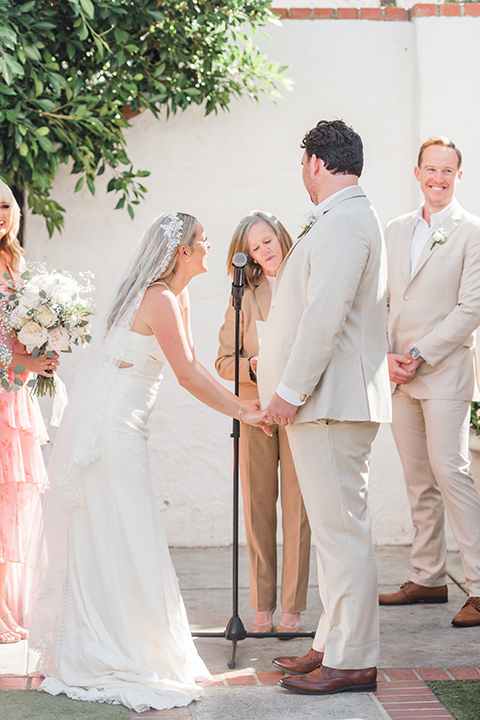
[(109, 620)]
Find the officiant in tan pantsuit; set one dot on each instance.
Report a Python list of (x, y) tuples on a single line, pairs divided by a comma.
[(434, 310), (323, 374), (265, 242)]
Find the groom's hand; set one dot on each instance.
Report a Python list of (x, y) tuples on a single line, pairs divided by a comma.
[(280, 411)]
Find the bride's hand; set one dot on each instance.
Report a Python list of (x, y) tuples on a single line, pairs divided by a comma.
[(253, 416)]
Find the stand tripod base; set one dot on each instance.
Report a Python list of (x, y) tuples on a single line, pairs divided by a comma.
[(235, 631)]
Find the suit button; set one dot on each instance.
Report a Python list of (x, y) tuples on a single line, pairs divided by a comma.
[(406, 297), (303, 398)]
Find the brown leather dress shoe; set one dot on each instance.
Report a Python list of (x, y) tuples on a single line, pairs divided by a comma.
[(300, 665), (469, 615), (410, 593), (327, 681)]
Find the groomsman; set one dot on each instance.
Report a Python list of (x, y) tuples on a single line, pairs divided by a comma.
[(323, 374), (434, 309)]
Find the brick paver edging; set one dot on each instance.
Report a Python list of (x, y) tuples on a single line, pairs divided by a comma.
[(387, 13), (402, 693)]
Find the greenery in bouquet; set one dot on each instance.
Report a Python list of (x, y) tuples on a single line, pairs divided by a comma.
[(49, 312), (475, 417)]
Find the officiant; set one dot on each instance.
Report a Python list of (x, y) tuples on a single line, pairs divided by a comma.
[(265, 242)]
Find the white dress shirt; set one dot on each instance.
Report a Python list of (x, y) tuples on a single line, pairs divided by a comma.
[(423, 232)]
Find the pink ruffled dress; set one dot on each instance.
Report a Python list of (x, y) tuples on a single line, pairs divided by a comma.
[(22, 480)]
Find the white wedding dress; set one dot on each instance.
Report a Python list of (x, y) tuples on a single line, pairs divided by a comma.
[(119, 633)]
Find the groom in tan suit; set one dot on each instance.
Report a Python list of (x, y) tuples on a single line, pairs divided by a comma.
[(323, 374), (434, 309)]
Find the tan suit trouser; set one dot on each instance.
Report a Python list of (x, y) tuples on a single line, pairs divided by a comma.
[(432, 440), (259, 458), (332, 461)]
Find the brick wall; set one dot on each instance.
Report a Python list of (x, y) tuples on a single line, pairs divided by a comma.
[(386, 13)]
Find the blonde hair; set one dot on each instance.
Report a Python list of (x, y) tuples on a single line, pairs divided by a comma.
[(9, 244), (444, 142), (148, 262), (239, 243)]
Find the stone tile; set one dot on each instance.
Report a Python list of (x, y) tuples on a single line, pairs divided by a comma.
[(13, 682), (432, 674), (269, 678), (240, 679), (400, 674), (180, 712), (464, 673)]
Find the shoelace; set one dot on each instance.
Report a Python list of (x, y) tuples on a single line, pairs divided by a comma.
[(475, 601)]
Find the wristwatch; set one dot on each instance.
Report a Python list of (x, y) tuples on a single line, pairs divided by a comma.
[(416, 354)]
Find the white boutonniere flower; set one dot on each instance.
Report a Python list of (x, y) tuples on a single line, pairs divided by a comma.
[(439, 237), (310, 220)]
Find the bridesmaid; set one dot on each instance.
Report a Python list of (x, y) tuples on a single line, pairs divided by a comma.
[(265, 242), (22, 470)]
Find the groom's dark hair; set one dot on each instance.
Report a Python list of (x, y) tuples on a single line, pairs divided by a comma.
[(338, 145)]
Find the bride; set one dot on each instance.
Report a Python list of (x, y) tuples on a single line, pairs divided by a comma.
[(109, 620)]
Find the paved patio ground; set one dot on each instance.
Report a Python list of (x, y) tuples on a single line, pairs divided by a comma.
[(418, 643)]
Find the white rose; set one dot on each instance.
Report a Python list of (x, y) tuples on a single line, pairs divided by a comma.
[(29, 299), (32, 335), (78, 333), (44, 282), (17, 318), (46, 317), (58, 339)]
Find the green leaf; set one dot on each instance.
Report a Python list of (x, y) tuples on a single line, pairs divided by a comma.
[(79, 184), (19, 369), (32, 52), (35, 352), (23, 149), (88, 8)]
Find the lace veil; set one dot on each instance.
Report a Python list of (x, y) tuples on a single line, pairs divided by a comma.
[(76, 444)]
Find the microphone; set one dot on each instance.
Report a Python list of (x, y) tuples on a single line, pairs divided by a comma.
[(239, 261)]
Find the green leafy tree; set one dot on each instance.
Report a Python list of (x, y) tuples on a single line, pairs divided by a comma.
[(73, 71)]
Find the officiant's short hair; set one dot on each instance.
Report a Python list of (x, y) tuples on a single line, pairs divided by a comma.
[(338, 145), (239, 243)]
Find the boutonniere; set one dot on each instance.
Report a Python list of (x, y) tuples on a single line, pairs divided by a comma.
[(439, 237), (310, 220)]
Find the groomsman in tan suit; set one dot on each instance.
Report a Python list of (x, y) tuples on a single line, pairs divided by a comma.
[(323, 374), (434, 309)]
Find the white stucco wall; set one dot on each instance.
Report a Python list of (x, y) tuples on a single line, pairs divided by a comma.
[(383, 79)]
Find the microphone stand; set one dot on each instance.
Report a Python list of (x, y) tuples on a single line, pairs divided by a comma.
[(235, 630)]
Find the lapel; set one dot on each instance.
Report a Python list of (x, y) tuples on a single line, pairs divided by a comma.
[(263, 298), (449, 225), (407, 232), (355, 191)]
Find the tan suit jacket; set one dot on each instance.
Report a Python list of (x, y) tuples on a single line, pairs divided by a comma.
[(255, 306), (438, 309), (325, 334), (259, 458)]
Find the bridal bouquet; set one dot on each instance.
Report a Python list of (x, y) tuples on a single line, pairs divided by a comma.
[(49, 311)]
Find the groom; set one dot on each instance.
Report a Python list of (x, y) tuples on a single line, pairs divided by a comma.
[(323, 374)]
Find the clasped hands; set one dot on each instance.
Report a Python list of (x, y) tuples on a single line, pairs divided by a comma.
[(278, 411), (402, 368)]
